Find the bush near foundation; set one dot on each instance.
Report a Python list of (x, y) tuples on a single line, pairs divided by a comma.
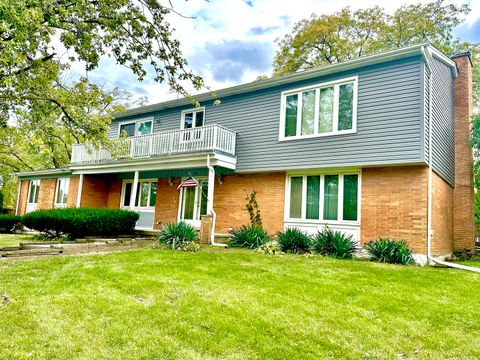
[(8, 222), (390, 251), (78, 222), (248, 236), (180, 236), (335, 244), (295, 241)]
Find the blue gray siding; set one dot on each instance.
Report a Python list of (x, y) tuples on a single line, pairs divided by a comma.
[(443, 128), (389, 123)]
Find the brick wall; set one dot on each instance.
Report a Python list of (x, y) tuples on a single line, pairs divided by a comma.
[(73, 191), (394, 204), (463, 223), (442, 217), (46, 195), (94, 192), (114, 194), (230, 204), (22, 201), (166, 209)]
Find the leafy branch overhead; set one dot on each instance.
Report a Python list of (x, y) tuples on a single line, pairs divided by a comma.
[(326, 39)]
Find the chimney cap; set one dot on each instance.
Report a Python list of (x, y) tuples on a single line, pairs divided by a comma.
[(462, 54)]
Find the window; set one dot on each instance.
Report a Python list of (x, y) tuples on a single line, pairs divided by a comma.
[(193, 118), (136, 128), (61, 192), (330, 197), (146, 193), (320, 110), (33, 190)]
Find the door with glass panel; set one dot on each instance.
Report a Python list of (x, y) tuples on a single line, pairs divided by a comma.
[(193, 203), (144, 201), (32, 199)]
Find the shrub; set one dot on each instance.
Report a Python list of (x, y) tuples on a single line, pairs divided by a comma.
[(8, 222), (271, 248), (390, 251), (78, 222), (334, 243), (188, 246), (295, 241), (174, 234), (250, 236)]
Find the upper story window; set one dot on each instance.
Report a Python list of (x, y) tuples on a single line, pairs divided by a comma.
[(193, 118), (319, 110), (136, 127), (61, 192)]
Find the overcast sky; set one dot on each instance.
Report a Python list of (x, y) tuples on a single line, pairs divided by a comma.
[(230, 42)]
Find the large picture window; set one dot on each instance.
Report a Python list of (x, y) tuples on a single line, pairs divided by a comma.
[(329, 197), (324, 109), (146, 194)]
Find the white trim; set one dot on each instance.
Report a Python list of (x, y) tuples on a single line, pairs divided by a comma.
[(136, 121), (321, 220), (195, 222), (80, 190), (30, 182), (18, 195), (336, 98), (194, 111), (140, 181)]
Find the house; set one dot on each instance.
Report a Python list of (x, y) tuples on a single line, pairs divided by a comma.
[(377, 146)]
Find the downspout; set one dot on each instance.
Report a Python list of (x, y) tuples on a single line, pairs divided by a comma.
[(430, 158), (211, 170)]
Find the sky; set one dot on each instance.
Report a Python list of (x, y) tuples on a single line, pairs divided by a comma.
[(230, 42)]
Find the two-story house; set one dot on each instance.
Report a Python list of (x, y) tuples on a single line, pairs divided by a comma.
[(377, 146)]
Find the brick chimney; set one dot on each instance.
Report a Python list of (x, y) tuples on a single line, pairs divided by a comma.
[(463, 209)]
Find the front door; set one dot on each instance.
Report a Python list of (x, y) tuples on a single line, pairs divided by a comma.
[(144, 203), (193, 203)]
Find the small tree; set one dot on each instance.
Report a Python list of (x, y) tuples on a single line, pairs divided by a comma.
[(253, 209)]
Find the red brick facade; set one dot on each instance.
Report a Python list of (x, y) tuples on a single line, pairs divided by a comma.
[(463, 211)]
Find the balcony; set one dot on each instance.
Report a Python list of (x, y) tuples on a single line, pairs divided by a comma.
[(214, 138)]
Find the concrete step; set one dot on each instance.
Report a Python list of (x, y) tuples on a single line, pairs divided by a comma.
[(30, 253)]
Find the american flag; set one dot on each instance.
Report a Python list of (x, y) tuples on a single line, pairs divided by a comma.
[(190, 182)]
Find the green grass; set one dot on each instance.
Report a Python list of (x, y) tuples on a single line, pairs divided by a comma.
[(472, 262), (14, 239), (234, 304)]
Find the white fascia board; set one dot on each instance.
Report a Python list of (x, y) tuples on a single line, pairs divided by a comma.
[(280, 80)]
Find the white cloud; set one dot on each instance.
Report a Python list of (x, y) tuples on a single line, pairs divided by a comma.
[(219, 37)]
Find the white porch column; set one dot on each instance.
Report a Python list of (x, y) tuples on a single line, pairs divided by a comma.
[(211, 188), (133, 195), (79, 191)]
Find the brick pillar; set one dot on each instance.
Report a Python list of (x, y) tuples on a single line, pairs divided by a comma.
[(463, 211), (205, 229)]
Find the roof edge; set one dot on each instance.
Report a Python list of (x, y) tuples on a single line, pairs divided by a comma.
[(280, 80), (42, 173)]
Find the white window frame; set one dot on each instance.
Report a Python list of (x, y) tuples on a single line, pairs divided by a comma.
[(31, 182), (65, 191), (197, 203), (195, 111), (321, 220), (298, 91), (143, 208), (136, 122)]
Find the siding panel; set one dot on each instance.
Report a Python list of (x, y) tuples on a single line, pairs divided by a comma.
[(389, 123)]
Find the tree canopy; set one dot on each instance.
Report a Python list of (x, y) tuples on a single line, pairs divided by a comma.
[(41, 112), (344, 35)]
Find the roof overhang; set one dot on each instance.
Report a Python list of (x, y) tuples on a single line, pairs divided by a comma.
[(38, 174), (298, 76)]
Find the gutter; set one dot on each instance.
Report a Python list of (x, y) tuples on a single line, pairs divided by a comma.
[(430, 157)]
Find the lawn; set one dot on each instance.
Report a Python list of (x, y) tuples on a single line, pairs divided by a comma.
[(14, 239), (234, 304)]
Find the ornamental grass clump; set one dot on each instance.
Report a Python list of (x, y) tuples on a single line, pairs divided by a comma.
[(177, 235), (334, 244), (294, 241), (390, 251), (251, 237)]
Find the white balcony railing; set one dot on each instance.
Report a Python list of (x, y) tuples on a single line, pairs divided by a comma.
[(205, 138)]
